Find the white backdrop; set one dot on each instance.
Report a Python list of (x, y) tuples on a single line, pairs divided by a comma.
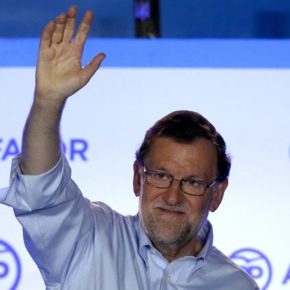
[(104, 124)]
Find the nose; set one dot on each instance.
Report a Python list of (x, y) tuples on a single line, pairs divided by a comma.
[(173, 194)]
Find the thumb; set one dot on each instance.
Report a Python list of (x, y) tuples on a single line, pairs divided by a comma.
[(89, 70)]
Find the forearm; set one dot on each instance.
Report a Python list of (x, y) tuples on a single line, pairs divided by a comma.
[(59, 75), (41, 137)]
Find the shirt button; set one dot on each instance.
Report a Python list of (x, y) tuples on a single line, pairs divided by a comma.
[(168, 278)]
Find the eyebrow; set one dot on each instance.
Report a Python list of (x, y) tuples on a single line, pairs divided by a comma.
[(192, 176)]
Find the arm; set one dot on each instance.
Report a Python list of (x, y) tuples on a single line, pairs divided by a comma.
[(59, 74), (56, 218)]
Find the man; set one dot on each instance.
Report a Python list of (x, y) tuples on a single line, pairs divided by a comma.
[(180, 174)]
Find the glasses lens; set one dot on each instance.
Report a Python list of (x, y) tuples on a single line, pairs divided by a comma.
[(194, 187), (158, 179)]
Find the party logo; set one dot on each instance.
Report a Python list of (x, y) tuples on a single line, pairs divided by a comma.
[(256, 264), (10, 267)]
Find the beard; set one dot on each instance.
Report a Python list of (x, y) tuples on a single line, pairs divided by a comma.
[(171, 233)]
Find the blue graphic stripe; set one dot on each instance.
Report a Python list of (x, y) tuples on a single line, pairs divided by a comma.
[(208, 53)]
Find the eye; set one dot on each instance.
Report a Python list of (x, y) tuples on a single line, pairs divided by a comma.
[(160, 175), (193, 182)]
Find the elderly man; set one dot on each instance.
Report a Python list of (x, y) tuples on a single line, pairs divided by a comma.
[(180, 175)]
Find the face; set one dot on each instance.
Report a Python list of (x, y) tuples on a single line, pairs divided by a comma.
[(169, 216)]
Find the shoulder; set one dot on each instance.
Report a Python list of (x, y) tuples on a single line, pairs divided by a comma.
[(114, 229), (229, 271), (106, 214)]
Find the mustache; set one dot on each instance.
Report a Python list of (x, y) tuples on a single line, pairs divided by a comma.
[(176, 208)]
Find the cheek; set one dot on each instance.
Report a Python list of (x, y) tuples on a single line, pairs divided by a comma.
[(199, 206), (148, 197), (146, 204)]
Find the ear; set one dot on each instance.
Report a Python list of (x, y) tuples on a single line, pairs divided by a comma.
[(136, 178), (218, 194)]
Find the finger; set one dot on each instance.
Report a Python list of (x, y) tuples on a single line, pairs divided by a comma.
[(46, 35), (70, 23), (92, 67), (57, 34), (84, 28)]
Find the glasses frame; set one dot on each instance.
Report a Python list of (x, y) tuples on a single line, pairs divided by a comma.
[(181, 181)]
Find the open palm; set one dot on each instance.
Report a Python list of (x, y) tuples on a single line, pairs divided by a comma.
[(59, 70)]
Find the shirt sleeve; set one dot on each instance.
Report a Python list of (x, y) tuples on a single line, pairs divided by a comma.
[(54, 216)]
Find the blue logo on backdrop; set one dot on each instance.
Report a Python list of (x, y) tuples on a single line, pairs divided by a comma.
[(75, 149), (256, 264), (10, 267)]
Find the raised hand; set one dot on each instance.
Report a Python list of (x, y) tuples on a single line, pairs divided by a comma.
[(59, 71), (59, 74)]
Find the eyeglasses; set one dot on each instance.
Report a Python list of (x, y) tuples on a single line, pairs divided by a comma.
[(191, 186)]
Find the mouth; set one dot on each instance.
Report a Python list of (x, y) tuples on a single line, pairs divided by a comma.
[(170, 211)]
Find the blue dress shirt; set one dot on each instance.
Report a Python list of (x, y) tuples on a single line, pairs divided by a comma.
[(81, 245)]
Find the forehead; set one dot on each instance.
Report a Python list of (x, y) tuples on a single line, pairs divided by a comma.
[(185, 158)]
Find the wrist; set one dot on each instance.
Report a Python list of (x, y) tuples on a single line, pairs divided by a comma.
[(48, 103)]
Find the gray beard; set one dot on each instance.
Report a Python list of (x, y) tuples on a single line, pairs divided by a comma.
[(159, 241)]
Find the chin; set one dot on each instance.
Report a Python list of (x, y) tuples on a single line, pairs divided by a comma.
[(170, 234)]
